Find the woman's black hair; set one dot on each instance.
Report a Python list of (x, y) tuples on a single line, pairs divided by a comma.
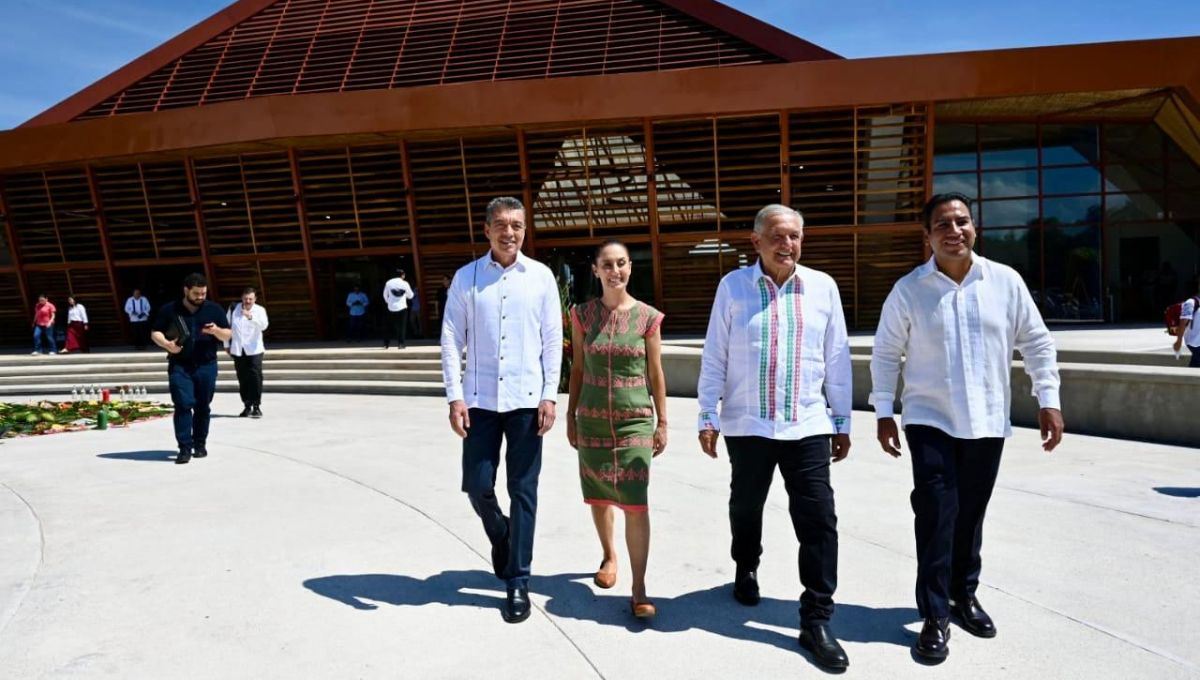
[(610, 242)]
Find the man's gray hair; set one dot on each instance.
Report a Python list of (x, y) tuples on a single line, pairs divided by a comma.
[(773, 210), (502, 203)]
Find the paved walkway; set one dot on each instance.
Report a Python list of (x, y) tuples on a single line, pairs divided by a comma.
[(330, 540)]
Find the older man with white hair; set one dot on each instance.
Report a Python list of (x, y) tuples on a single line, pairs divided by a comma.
[(777, 359)]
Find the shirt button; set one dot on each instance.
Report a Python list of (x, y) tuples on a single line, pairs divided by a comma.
[(501, 378)]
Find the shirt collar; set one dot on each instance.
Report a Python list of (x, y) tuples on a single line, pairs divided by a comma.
[(521, 263), (975, 272), (762, 274)]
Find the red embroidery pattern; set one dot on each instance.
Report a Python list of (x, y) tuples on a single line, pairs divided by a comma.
[(617, 381), (614, 475), (616, 414), (616, 350), (621, 443)]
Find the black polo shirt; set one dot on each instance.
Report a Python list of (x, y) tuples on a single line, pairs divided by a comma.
[(200, 349)]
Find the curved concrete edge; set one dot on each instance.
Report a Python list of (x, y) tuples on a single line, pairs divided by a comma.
[(1146, 403), (21, 546)]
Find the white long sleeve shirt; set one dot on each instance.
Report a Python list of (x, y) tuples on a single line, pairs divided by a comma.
[(958, 341), (247, 338), (77, 313), (508, 320), (396, 294), (1191, 336), (776, 358), (138, 309)]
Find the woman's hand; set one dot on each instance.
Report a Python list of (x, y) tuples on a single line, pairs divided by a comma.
[(660, 438), (572, 436)]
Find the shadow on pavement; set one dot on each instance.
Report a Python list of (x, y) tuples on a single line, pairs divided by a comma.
[(1179, 491), (713, 610), (161, 455)]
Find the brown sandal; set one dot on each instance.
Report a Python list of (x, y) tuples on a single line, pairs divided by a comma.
[(604, 579), (642, 610)]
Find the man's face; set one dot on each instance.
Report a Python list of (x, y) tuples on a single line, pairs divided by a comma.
[(506, 232), (249, 299), (137, 293), (196, 296), (779, 244), (951, 232)]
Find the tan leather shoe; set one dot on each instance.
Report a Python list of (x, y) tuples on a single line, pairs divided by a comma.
[(605, 579), (643, 610)]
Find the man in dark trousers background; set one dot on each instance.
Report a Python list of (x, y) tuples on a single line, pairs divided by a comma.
[(191, 330)]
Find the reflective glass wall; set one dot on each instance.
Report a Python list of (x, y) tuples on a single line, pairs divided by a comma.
[(1102, 220)]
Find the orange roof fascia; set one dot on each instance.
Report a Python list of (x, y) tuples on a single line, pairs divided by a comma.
[(148, 63), (754, 31), (837, 83)]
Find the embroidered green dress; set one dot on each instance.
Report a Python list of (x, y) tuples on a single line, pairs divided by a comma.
[(615, 415)]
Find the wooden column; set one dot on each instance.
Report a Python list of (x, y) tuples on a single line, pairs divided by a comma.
[(106, 250), (652, 209), (10, 234), (410, 201), (527, 194), (306, 242), (201, 231), (785, 173)]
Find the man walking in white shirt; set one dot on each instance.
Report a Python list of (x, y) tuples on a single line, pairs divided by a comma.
[(396, 294), (1189, 331), (956, 320), (777, 358), (248, 320), (503, 311), (137, 308)]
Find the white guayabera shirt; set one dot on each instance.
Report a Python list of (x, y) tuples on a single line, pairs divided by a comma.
[(958, 341)]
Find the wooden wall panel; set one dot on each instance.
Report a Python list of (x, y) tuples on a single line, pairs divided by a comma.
[(33, 218), (686, 175), (882, 259), (443, 215), (691, 272), (225, 205), (15, 328), (749, 176), (92, 289), (285, 294), (378, 179), (834, 255)]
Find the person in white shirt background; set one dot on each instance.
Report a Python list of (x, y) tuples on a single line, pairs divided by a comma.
[(1189, 331), (137, 308), (777, 359), (248, 320), (956, 320), (356, 304), (503, 311), (396, 294), (77, 327)]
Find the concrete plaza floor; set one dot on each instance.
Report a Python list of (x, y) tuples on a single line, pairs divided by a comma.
[(330, 540)]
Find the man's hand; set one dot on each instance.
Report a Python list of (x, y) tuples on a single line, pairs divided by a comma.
[(460, 418), (708, 442), (209, 328), (1051, 422), (888, 436), (545, 417), (841, 446), (173, 347)]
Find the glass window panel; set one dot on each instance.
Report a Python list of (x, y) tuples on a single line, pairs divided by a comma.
[(1184, 175), (1078, 180), (954, 148), (1010, 213), (1017, 248), (1010, 183), (1133, 207), (1070, 144), (1008, 146), (963, 183), (1072, 256), (1073, 210), (1148, 266), (1132, 140), (1133, 176)]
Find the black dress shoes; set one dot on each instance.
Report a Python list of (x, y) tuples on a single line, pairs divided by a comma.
[(185, 454), (199, 451), (256, 412), (932, 642), (516, 605), (818, 639), (972, 617), (745, 587), (245, 412)]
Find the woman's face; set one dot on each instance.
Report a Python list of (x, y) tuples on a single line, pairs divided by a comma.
[(71, 301), (613, 267)]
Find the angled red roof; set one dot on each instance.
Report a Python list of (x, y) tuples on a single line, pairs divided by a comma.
[(257, 48)]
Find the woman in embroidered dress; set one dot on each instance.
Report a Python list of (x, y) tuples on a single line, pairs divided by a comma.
[(617, 389), (77, 328)]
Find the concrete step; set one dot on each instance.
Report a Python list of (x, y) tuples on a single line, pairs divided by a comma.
[(109, 378), (158, 390), (430, 353), (76, 368)]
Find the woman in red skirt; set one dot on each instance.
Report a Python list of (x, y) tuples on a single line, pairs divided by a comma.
[(77, 327)]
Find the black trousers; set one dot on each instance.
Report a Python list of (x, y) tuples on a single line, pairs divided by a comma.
[(804, 465), (140, 330), (250, 378), (952, 484), (523, 464), (397, 327)]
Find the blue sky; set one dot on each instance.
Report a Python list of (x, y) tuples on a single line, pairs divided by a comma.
[(53, 48)]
